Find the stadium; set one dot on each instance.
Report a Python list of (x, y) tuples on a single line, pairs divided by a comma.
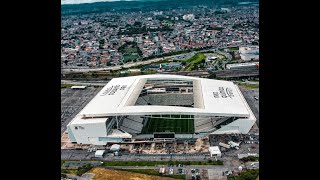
[(161, 108)]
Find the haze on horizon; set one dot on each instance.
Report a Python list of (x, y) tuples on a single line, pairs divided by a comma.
[(89, 1)]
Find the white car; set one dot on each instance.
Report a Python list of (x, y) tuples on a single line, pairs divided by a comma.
[(171, 171)]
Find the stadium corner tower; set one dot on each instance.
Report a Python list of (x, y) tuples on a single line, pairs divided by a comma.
[(161, 107)]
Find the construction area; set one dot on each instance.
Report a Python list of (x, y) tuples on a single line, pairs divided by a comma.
[(146, 147)]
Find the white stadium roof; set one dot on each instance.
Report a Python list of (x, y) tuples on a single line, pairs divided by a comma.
[(119, 95)]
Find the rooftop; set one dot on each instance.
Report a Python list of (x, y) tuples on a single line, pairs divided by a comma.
[(214, 150), (211, 97)]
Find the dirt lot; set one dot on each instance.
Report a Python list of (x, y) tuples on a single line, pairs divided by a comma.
[(107, 174)]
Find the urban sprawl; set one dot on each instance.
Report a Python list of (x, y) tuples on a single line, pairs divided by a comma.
[(115, 38)]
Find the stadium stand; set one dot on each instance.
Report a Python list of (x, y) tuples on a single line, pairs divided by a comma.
[(132, 125), (136, 118)]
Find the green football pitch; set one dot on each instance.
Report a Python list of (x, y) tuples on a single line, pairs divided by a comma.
[(179, 126)]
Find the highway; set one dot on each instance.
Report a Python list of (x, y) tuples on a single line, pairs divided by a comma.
[(114, 68), (133, 64), (86, 83), (236, 73)]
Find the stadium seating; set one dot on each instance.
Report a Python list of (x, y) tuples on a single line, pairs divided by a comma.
[(202, 121), (170, 99), (131, 125), (204, 127), (141, 101), (135, 118), (204, 124), (219, 121)]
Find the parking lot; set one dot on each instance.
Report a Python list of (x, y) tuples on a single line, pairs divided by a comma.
[(217, 173), (252, 98), (72, 101), (249, 143), (197, 174)]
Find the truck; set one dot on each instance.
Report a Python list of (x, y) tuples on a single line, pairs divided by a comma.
[(162, 170), (233, 144), (224, 145)]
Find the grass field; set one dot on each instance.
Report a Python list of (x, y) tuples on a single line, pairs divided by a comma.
[(194, 61), (68, 85), (155, 173), (130, 57), (249, 86), (234, 48), (179, 126), (110, 174), (131, 50), (251, 174)]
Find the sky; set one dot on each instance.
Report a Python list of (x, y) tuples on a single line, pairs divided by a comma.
[(85, 1)]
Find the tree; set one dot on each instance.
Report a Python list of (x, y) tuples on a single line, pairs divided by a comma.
[(137, 23), (249, 174), (212, 76), (94, 74), (64, 171), (63, 175), (101, 41), (83, 169), (139, 51)]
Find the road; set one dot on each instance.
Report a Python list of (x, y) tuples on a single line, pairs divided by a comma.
[(83, 177), (87, 83), (71, 154), (252, 82), (174, 167), (236, 73)]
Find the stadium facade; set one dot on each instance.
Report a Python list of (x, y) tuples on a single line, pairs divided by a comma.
[(161, 107)]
